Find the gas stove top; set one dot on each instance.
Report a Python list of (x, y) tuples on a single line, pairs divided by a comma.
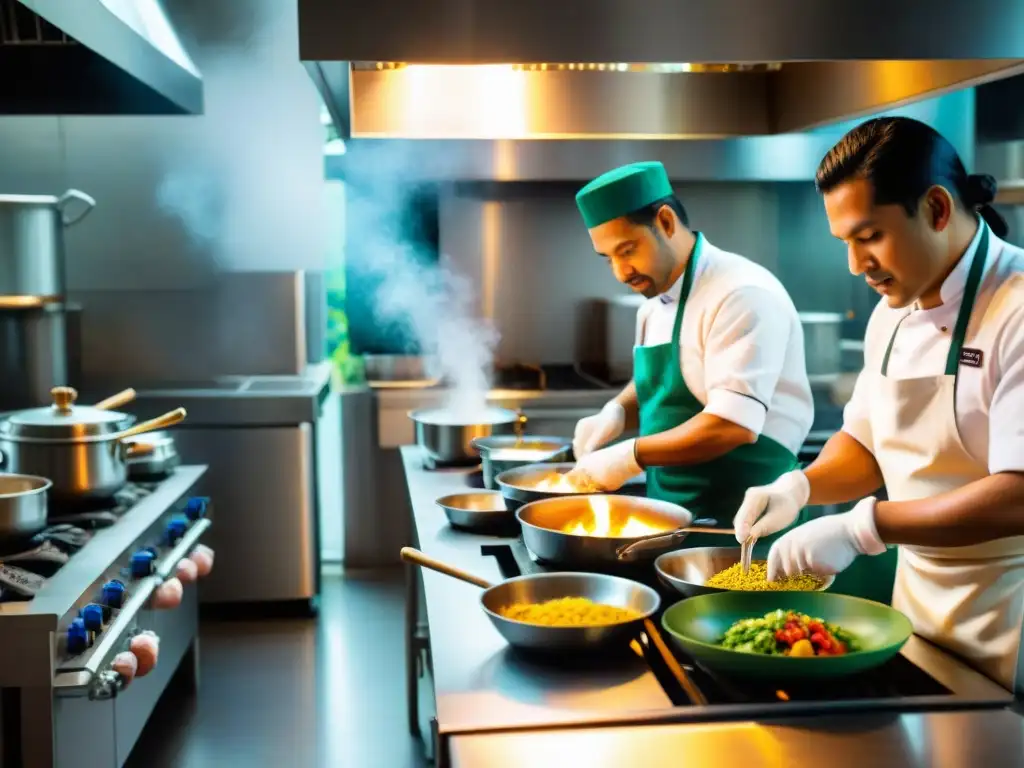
[(26, 564), (899, 684)]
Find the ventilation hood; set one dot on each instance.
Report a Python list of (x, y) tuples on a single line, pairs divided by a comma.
[(93, 57), (642, 69)]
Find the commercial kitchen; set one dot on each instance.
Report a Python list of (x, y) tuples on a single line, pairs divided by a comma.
[(246, 249)]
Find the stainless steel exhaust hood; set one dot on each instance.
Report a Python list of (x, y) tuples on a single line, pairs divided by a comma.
[(93, 57), (596, 69)]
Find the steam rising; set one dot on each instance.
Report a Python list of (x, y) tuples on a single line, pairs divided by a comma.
[(433, 301)]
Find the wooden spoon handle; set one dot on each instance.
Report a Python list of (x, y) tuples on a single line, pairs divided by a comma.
[(691, 690), (116, 401), (416, 557), (160, 422)]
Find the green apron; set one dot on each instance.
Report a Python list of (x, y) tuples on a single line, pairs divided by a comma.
[(716, 487)]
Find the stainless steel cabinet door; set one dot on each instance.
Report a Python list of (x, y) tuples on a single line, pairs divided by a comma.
[(264, 522)]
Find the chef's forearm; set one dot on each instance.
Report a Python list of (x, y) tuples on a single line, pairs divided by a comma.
[(985, 510), (627, 399), (844, 471), (697, 440)]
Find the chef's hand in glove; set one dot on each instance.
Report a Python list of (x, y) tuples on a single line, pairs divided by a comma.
[(827, 545), (768, 509), (609, 468), (598, 430)]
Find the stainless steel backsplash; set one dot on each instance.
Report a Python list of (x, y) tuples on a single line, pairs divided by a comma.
[(537, 276)]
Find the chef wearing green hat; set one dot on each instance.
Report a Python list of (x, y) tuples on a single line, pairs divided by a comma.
[(720, 391)]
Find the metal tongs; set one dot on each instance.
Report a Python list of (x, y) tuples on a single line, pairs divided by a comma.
[(747, 553)]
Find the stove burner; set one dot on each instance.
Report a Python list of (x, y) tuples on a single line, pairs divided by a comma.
[(26, 564)]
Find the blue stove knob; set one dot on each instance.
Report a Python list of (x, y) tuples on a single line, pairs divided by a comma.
[(195, 507), (78, 637), (112, 594), (92, 617), (142, 563), (176, 528)]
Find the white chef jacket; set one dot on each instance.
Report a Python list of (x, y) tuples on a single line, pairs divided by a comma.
[(989, 397), (741, 346)]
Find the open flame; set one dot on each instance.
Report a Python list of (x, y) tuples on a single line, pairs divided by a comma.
[(599, 521)]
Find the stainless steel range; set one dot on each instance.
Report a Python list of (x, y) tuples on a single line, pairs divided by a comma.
[(71, 599)]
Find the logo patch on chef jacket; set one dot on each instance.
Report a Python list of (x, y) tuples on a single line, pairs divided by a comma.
[(971, 357)]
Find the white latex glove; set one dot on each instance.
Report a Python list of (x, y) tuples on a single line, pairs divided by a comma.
[(768, 509), (598, 430), (609, 468), (827, 545)]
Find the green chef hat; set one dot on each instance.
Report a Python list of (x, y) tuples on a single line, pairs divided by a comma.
[(622, 191)]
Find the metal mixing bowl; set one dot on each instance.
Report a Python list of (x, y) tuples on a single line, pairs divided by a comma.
[(477, 511)]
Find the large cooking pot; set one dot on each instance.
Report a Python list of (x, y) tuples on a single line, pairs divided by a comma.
[(447, 436), (32, 244), (84, 451)]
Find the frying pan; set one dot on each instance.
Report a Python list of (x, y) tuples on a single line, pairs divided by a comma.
[(697, 624), (518, 485), (543, 524), (541, 587), (687, 570)]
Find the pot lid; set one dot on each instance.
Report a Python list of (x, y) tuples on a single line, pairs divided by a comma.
[(64, 419)]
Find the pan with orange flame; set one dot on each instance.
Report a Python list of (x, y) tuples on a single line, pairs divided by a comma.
[(606, 529)]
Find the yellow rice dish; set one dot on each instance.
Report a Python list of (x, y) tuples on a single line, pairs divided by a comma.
[(756, 580), (569, 612)]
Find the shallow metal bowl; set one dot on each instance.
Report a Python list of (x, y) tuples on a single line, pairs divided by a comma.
[(476, 510), (687, 570), (541, 587), (500, 453)]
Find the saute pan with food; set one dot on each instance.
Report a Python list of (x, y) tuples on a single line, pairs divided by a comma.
[(558, 612), (707, 570), (786, 637), (606, 529)]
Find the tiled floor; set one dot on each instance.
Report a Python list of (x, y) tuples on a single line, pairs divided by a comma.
[(295, 693)]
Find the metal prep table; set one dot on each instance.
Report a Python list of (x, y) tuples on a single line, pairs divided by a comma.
[(476, 685)]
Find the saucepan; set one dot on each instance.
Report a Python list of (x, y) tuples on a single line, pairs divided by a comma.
[(83, 451), (542, 587), (447, 434), (499, 453), (605, 529), (22, 505), (687, 570), (542, 481)]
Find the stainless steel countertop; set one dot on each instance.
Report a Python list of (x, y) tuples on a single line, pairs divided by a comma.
[(481, 685), (917, 740)]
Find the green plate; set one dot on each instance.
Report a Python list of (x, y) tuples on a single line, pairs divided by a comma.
[(699, 623)]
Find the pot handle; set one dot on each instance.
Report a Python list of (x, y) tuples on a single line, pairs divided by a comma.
[(74, 194), (3, 459), (169, 419)]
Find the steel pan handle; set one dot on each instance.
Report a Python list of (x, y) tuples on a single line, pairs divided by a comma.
[(662, 541)]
